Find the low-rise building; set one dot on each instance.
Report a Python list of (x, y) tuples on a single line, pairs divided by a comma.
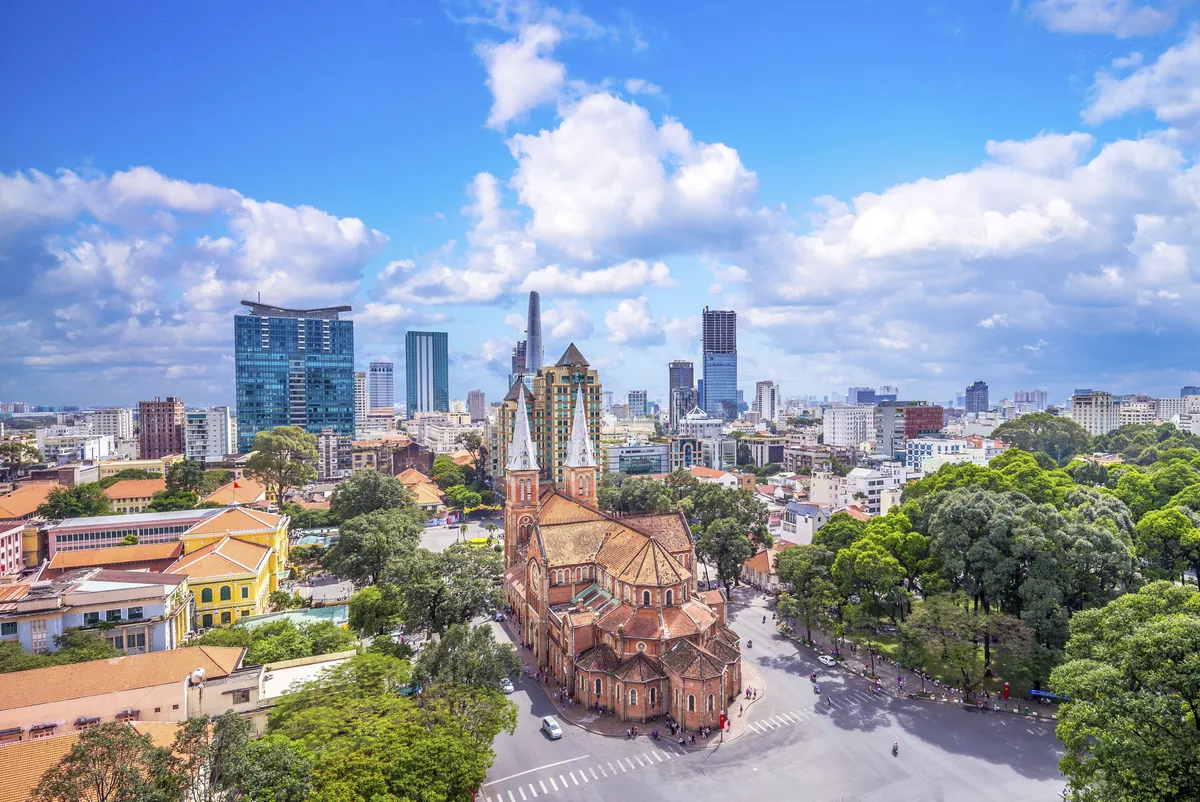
[(685, 452), (153, 557), (766, 449), (426, 494), (22, 503), (133, 495), (11, 561), (239, 492), (135, 611), (759, 571), (155, 466), (919, 449), (230, 578), (636, 458), (802, 520), (699, 425)]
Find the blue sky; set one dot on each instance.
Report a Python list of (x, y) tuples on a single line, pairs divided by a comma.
[(916, 194)]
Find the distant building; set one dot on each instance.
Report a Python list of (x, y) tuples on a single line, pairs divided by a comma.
[(685, 452), (720, 363), (427, 371), (848, 425), (333, 455), (381, 385), (637, 403), (1190, 389), (681, 373), (1095, 411), (362, 402), (518, 357), (477, 405), (766, 449), (129, 496), (534, 355), (977, 397), (898, 421), (637, 459), (209, 434), (161, 428), (767, 401), (1036, 400), (696, 423), (293, 367), (919, 449), (116, 423), (682, 401)]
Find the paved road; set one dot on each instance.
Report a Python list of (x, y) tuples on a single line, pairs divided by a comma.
[(795, 747), (437, 538)]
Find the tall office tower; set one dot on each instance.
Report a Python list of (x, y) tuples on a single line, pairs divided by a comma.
[(682, 401), (1037, 400), (476, 405), (887, 393), (767, 402), (551, 410), (293, 367), (116, 423), (607, 395), (860, 395), (637, 403), (362, 401), (160, 428), (977, 397), (1190, 389), (518, 357), (382, 386), (427, 371), (209, 434), (533, 335), (682, 374), (719, 342)]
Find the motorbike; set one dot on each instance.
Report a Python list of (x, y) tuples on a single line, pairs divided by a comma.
[(816, 687), (813, 676), (749, 644), (895, 748)]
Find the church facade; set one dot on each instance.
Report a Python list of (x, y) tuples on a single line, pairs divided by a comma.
[(609, 603)]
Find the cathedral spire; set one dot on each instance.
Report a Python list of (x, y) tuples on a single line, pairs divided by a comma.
[(521, 454), (579, 449)]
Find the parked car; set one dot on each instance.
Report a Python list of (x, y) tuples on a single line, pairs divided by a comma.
[(506, 685), (551, 727), (826, 660), (499, 616)]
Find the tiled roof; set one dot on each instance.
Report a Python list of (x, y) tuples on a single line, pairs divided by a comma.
[(571, 356), (691, 662), (14, 591), (135, 488), (115, 555), (711, 597), (638, 668), (234, 520), (723, 651), (38, 686), (571, 544), (411, 476), (616, 617), (461, 457), (644, 624), (426, 494), (247, 491), (25, 762), (518, 385), (700, 472), (635, 558), (597, 658), (559, 509), (136, 577), (668, 528), (724, 633), (25, 499), (678, 624), (764, 561), (857, 513), (227, 557)]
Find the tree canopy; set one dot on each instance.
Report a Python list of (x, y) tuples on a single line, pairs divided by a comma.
[(15, 455), (368, 491), (371, 544), (280, 640), (77, 501), (1040, 432), (283, 458), (185, 475)]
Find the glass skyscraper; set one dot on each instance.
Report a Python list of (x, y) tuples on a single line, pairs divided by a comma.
[(427, 371), (720, 363), (293, 367)]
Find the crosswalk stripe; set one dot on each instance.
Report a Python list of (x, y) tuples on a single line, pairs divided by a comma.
[(522, 790), (511, 798), (553, 784), (572, 774), (593, 771), (630, 762), (752, 728), (583, 774), (639, 760), (610, 768), (657, 755), (544, 791), (533, 790), (782, 721), (668, 754), (622, 765), (564, 781)]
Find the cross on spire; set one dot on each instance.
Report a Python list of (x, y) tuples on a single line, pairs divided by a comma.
[(579, 449), (521, 454)]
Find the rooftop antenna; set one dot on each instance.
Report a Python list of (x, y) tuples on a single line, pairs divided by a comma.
[(260, 296)]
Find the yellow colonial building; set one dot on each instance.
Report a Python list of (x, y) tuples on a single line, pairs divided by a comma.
[(229, 578)]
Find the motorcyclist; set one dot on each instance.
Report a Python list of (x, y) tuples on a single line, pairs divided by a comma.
[(764, 619), (813, 676), (895, 747), (749, 644)]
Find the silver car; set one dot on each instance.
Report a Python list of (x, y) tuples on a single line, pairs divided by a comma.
[(506, 685), (551, 727)]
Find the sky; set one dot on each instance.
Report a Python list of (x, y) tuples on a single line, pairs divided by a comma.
[(918, 194)]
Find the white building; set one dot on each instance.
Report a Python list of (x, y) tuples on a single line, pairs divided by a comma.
[(637, 403), (801, 521), (767, 401), (362, 402), (975, 450), (1095, 411), (1137, 412), (334, 455), (698, 424), (636, 458), (849, 425), (440, 435), (869, 489), (919, 449), (62, 443), (116, 423), (208, 434)]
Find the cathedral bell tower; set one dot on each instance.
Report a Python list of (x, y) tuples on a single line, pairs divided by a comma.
[(520, 486), (579, 471)]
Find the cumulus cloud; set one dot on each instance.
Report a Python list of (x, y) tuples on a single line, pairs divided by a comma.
[(1120, 18), (1168, 86), (639, 86), (632, 323), (566, 320), (521, 73), (632, 275)]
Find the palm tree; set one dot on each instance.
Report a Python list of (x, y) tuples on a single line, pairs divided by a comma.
[(463, 528)]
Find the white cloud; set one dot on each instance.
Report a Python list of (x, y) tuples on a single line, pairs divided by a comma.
[(567, 320), (633, 275), (1170, 86), (1121, 18), (998, 320), (521, 73), (638, 86), (632, 323)]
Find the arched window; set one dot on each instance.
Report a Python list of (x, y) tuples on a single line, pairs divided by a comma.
[(653, 697), (645, 598), (226, 593), (633, 696), (691, 703), (597, 687), (711, 700), (206, 595), (670, 597), (578, 574)]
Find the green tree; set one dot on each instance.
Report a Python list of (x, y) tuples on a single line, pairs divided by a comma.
[(839, 532), (15, 455), (910, 548), (186, 475), (456, 585), (78, 501), (1089, 473), (1162, 536), (214, 479), (281, 459), (867, 569), (304, 518), (282, 600), (128, 473), (111, 762), (725, 545), (709, 503), (947, 626), (219, 762), (129, 540), (281, 640), (447, 474), (370, 544), (171, 500), (460, 497), (1057, 437), (1132, 727), (368, 491), (467, 655), (955, 475), (472, 442), (1137, 490), (376, 610), (621, 493)]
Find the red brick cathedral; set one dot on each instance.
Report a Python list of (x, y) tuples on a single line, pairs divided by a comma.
[(608, 603)]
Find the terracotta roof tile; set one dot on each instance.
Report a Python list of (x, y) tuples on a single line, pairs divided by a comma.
[(668, 528), (723, 651), (711, 597), (616, 617), (644, 625), (38, 686), (411, 476), (235, 520), (25, 499), (247, 491), (571, 544), (764, 561), (638, 668), (678, 624), (227, 557), (700, 472), (857, 513), (115, 555), (597, 658), (559, 509), (135, 488), (692, 662)]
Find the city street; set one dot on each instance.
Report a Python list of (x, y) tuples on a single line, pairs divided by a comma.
[(796, 746), (437, 538)]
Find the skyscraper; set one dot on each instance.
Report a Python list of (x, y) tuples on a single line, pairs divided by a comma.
[(476, 405), (719, 341), (637, 403), (427, 371), (767, 402), (1189, 389), (977, 397), (160, 428), (682, 374), (518, 357), (382, 386), (533, 335), (209, 434), (362, 401), (293, 367)]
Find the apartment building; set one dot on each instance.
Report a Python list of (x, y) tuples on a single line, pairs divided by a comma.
[(848, 425), (209, 434), (161, 428), (1095, 411)]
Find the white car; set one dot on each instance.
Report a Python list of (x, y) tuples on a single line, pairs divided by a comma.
[(551, 727), (506, 685), (826, 660)]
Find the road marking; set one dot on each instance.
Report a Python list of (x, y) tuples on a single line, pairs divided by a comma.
[(752, 728), (622, 765), (553, 784), (593, 771), (530, 771), (583, 774), (573, 778), (668, 754), (610, 768), (564, 781), (657, 755), (783, 722), (544, 791), (511, 798), (639, 760), (522, 790), (631, 766), (533, 790)]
